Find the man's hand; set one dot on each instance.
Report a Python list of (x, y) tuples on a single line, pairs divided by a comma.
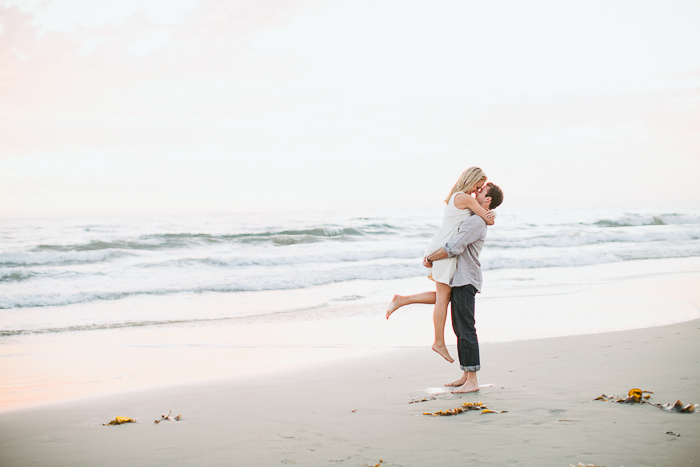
[(434, 256), (491, 214)]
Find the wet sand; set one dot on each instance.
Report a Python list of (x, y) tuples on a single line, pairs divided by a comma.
[(355, 411)]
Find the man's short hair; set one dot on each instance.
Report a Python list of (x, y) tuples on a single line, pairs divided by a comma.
[(496, 195)]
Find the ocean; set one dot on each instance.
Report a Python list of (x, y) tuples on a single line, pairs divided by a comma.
[(56, 263)]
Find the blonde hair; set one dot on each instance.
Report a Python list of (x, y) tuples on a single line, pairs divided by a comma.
[(467, 180)]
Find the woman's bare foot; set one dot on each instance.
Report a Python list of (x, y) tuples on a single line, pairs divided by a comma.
[(394, 305), (442, 350), (469, 386)]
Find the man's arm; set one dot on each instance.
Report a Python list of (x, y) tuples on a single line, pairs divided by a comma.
[(470, 230), (434, 256)]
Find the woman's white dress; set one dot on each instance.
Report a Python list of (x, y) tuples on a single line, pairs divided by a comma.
[(443, 270)]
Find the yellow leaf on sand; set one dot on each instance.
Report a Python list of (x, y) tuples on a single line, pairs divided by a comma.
[(473, 405), (121, 420), (467, 406), (635, 396)]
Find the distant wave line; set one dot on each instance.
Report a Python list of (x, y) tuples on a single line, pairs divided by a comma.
[(135, 324), (639, 220), (557, 238), (176, 240)]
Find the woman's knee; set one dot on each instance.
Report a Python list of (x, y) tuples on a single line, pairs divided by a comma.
[(443, 301), (444, 291)]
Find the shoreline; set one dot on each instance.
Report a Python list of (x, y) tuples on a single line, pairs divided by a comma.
[(359, 412), (46, 368), (320, 364)]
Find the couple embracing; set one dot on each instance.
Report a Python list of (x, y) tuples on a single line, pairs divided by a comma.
[(453, 261)]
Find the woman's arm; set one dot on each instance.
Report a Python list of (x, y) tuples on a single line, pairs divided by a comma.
[(465, 201)]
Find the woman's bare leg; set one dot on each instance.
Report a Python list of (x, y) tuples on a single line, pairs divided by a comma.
[(427, 298), (439, 318)]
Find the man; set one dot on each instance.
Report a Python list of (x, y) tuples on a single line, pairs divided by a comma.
[(466, 282)]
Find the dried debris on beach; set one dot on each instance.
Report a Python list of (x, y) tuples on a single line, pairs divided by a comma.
[(169, 418), (466, 407), (634, 396), (416, 401), (677, 407), (120, 421), (637, 396)]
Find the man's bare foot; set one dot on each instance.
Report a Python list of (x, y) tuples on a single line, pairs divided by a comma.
[(442, 350), (394, 305), (469, 386), (457, 383)]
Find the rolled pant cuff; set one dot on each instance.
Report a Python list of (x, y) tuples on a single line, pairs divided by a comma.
[(471, 368)]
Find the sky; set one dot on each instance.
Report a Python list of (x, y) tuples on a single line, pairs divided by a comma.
[(211, 106)]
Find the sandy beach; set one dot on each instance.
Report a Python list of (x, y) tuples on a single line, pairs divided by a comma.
[(356, 409)]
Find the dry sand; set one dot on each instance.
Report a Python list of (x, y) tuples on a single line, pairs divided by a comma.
[(356, 411)]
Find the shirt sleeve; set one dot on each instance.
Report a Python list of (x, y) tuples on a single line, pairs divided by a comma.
[(470, 230)]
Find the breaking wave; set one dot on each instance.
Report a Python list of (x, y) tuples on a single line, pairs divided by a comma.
[(28, 258), (636, 220), (74, 263)]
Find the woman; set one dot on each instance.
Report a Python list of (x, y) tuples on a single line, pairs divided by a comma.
[(460, 205)]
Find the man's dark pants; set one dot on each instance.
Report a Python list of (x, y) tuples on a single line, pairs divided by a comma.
[(463, 324)]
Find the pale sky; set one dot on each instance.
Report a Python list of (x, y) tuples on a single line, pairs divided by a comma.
[(210, 106)]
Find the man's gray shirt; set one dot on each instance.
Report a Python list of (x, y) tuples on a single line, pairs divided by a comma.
[(466, 246)]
